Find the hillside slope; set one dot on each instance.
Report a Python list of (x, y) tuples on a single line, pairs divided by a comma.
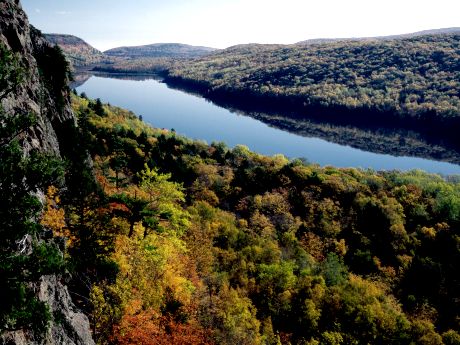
[(413, 80), (453, 30), (160, 50), (79, 52), (138, 59), (165, 240), (225, 246)]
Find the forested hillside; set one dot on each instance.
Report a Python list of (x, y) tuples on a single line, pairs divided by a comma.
[(160, 239), (79, 52), (414, 80), (140, 65), (165, 240), (160, 50), (453, 30), (189, 243), (147, 59)]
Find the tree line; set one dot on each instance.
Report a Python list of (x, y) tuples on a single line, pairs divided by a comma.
[(411, 79)]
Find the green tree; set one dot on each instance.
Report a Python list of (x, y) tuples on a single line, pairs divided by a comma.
[(98, 107)]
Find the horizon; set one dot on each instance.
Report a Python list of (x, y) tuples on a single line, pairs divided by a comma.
[(249, 43), (225, 23)]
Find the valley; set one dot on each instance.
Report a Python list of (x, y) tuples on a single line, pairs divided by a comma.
[(316, 88), (261, 194), (163, 106)]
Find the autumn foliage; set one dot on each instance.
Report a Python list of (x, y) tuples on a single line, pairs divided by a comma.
[(202, 244), (146, 328)]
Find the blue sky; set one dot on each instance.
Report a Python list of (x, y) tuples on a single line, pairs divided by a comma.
[(221, 23)]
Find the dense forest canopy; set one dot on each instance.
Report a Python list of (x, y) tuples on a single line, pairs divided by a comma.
[(166, 240), (214, 245), (410, 78), (174, 241)]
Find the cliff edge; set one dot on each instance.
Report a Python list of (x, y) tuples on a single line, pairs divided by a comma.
[(46, 95)]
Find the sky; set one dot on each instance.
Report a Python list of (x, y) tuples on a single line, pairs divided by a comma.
[(107, 24)]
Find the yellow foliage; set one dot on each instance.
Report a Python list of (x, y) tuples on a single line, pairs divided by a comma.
[(54, 217), (151, 265), (340, 247), (372, 304), (428, 232)]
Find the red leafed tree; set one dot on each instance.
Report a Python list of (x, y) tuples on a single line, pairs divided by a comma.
[(146, 328)]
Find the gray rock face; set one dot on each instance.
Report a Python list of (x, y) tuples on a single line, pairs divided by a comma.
[(69, 326), (32, 95), (73, 326)]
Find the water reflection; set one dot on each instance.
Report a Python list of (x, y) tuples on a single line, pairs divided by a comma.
[(80, 78), (324, 143)]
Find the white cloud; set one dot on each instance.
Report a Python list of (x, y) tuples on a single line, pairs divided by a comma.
[(63, 13), (37, 10)]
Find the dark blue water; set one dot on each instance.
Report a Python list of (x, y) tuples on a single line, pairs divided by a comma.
[(197, 118)]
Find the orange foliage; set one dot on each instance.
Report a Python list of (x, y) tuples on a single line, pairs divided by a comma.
[(116, 206), (109, 188), (147, 328), (102, 181)]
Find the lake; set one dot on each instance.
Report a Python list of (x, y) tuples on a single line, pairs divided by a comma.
[(198, 118)]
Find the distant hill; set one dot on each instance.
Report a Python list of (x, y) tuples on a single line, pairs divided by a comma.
[(160, 50), (412, 81), (382, 38), (137, 59), (78, 52)]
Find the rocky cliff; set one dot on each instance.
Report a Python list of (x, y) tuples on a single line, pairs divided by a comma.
[(41, 92), (71, 329), (32, 94)]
